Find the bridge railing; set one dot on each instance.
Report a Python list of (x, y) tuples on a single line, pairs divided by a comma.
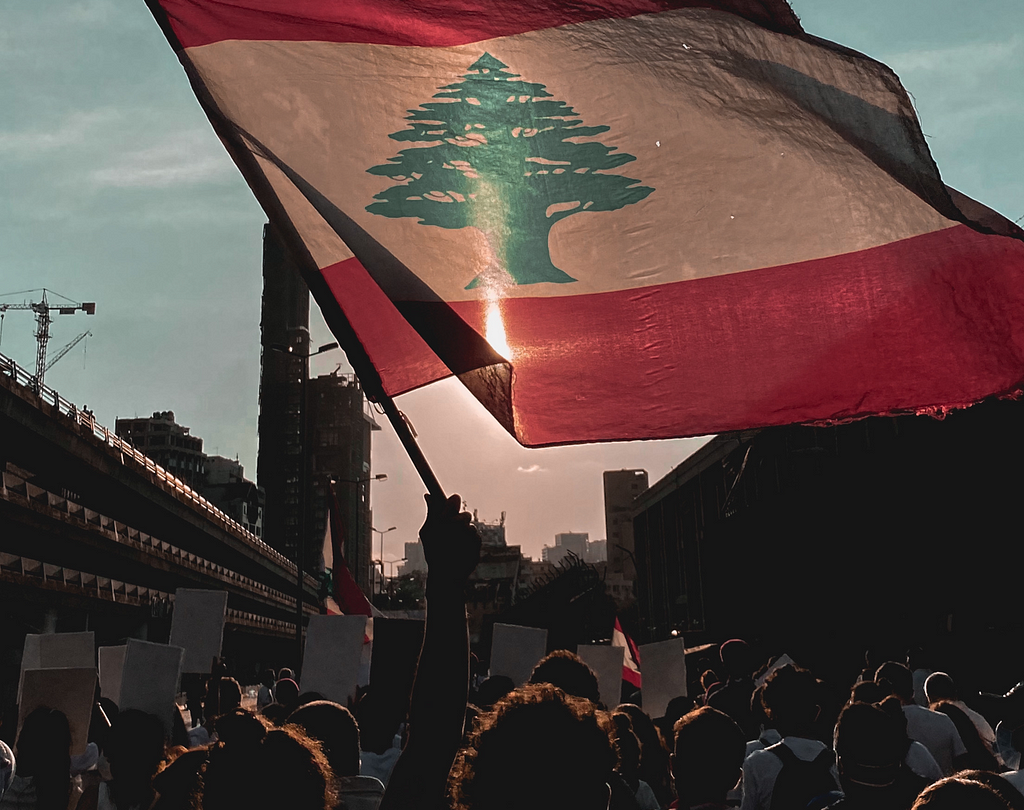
[(85, 419)]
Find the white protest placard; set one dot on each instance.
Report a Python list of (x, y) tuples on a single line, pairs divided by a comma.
[(71, 690), (516, 650), (607, 662), (111, 667), (149, 678), (663, 668), (197, 626), (58, 651), (332, 657)]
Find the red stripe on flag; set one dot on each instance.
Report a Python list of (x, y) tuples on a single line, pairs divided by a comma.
[(931, 321), (429, 23)]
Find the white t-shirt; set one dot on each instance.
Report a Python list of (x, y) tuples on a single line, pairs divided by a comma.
[(920, 760), (937, 733), (762, 768), (985, 730)]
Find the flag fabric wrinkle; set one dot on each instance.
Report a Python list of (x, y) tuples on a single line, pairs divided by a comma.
[(624, 219)]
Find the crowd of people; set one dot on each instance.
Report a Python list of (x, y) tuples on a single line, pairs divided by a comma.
[(758, 738)]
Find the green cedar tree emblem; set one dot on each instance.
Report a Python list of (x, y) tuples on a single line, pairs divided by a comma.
[(503, 157)]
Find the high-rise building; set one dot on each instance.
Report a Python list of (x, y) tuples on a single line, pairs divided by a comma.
[(566, 543), (339, 426), (284, 325), (169, 444), (621, 487)]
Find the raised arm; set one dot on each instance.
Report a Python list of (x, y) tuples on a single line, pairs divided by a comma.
[(438, 707)]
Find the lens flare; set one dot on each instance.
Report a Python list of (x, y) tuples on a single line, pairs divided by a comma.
[(494, 328)]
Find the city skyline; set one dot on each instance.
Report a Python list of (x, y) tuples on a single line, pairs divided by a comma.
[(118, 192)]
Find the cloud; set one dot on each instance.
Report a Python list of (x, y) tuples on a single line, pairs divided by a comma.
[(188, 158), (75, 129), (532, 469), (968, 59)]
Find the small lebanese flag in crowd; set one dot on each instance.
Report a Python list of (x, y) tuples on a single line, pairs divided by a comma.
[(347, 598), (618, 219), (631, 664)]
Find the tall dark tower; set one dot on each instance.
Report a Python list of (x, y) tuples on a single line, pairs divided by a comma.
[(338, 426), (284, 323)]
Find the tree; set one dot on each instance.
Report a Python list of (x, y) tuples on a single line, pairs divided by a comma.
[(502, 156)]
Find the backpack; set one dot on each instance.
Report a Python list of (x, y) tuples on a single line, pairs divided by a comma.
[(801, 782)]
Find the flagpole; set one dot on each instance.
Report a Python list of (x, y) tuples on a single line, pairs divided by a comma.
[(361, 364)]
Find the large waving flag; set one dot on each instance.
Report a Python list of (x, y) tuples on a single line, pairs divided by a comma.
[(613, 219)]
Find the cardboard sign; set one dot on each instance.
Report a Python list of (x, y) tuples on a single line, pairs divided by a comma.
[(149, 678), (58, 651), (516, 650), (197, 626), (111, 667), (663, 666), (334, 649), (71, 690), (607, 662)]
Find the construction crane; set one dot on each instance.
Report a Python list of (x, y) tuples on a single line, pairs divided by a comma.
[(67, 348), (42, 310)]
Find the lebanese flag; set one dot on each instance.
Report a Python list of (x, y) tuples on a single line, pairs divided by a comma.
[(631, 662), (619, 219)]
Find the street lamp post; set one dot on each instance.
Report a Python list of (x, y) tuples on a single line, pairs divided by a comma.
[(300, 541), (382, 533)]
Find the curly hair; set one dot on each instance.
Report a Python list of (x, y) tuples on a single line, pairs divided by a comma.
[(221, 776), (538, 746)]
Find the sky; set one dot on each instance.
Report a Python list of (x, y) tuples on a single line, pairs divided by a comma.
[(114, 189)]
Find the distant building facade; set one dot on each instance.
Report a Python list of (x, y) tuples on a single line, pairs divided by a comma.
[(414, 559), (169, 444), (284, 324), (621, 488), (577, 543), (825, 541), (220, 480), (492, 533), (339, 429)]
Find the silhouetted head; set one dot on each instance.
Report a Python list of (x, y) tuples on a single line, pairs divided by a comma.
[(378, 722), (790, 700), (267, 678), (897, 680), (44, 752), (627, 747), (334, 727), (297, 774), (867, 692), (135, 751), (955, 793), (707, 757), (939, 686), (539, 748), (568, 672), (287, 692), (229, 695), (737, 659), (871, 746)]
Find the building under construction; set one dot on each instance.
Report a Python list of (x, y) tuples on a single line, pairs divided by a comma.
[(338, 429)]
